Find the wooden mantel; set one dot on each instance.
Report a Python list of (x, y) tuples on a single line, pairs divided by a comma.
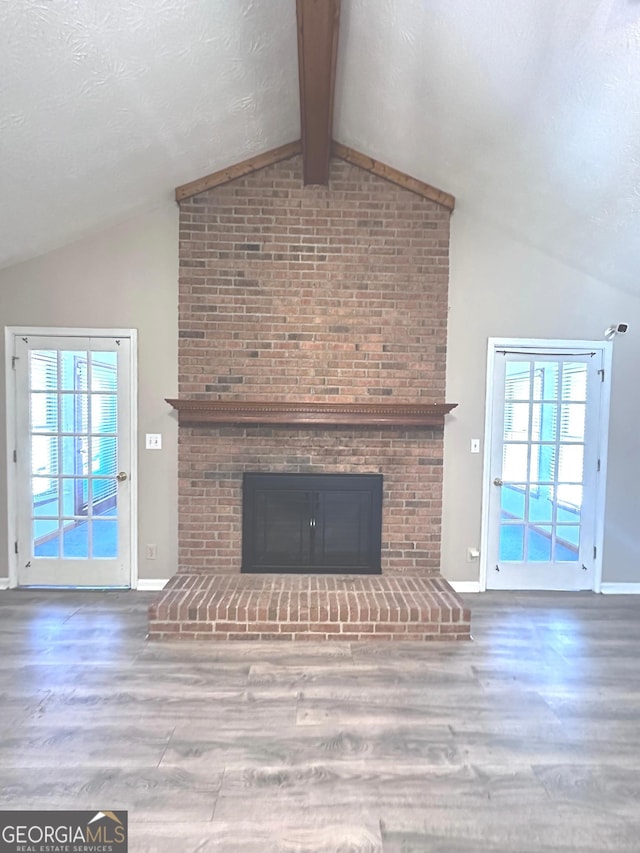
[(195, 412)]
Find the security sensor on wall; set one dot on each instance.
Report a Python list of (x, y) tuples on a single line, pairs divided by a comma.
[(616, 329)]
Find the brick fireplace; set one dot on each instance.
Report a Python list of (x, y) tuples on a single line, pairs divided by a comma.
[(328, 297)]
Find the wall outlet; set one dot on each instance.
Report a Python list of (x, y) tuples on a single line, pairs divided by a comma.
[(152, 552), (153, 441)]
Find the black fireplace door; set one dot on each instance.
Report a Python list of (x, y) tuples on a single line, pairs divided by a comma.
[(308, 523)]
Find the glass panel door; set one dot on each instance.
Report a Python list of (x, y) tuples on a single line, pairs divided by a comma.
[(73, 461), (544, 468)]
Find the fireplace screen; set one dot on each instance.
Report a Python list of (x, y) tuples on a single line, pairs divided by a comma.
[(311, 523)]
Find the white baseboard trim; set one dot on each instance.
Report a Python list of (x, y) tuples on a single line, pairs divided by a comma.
[(144, 584), (465, 586), (620, 588), (151, 584)]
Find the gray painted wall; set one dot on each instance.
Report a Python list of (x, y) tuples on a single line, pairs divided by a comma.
[(127, 276), (504, 288), (124, 277)]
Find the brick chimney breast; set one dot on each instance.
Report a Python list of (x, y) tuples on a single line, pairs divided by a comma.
[(293, 293)]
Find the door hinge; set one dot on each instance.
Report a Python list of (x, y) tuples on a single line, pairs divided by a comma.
[(601, 374), (15, 546), (595, 552), (598, 464), (15, 455), (14, 358)]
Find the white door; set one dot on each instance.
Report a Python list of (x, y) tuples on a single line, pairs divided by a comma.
[(544, 469), (73, 460)]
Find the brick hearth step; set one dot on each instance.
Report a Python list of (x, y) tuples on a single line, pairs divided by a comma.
[(307, 607)]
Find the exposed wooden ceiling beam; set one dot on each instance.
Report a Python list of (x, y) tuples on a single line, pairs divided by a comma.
[(393, 175), (284, 152), (318, 24)]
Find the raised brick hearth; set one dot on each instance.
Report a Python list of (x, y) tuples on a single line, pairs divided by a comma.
[(307, 607), (334, 297)]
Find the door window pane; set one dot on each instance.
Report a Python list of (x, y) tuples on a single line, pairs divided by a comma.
[(514, 462), (44, 455), (46, 541), (75, 540), (75, 496), (74, 412), (43, 373), (511, 542), (544, 422), (567, 543), (104, 376), (541, 503), (74, 455), (517, 381), (106, 506), (512, 502), (104, 413), (569, 502), (574, 381), (539, 543), (543, 463), (104, 455), (73, 373), (572, 421), (104, 495), (571, 464), (47, 500), (516, 421), (545, 380), (44, 412), (105, 539)]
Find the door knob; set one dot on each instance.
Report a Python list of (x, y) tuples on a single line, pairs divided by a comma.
[(121, 477), (498, 482)]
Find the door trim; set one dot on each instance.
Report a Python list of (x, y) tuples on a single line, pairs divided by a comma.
[(11, 332), (524, 344)]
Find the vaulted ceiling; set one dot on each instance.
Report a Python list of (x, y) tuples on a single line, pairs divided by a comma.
[(528, 111)]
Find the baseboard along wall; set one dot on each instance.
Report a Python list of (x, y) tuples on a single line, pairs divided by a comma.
[(151, 584), (620, 588), (465, 586)]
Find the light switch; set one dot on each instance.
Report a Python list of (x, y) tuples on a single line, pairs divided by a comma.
[(475, 445), (153, 441)]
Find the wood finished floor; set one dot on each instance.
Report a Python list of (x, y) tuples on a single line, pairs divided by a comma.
[(526, 739)]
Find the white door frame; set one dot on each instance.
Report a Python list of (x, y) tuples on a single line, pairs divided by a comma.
[(11, 332), (541, 344)]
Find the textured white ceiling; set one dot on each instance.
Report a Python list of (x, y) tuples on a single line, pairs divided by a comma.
[(107, 105), (526, 110)]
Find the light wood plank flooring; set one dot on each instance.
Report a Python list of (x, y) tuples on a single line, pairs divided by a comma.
[(526, 739)]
